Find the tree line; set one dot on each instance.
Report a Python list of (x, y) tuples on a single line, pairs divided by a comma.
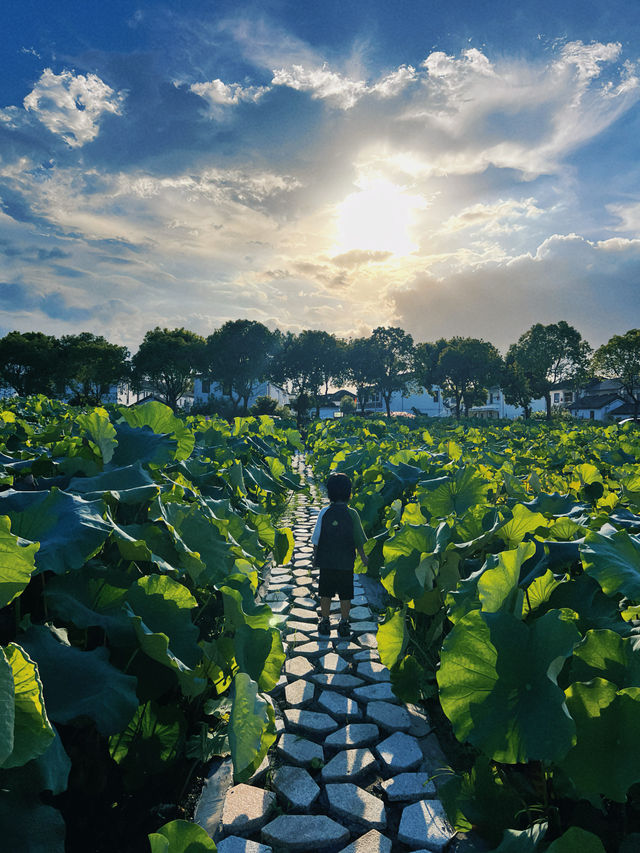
[(243, 353)]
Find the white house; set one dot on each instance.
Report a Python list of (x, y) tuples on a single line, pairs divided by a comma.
[(601, 401), (205, 390), (496, 407)]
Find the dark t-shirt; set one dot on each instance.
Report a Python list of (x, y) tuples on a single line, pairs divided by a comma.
[(337, 534)]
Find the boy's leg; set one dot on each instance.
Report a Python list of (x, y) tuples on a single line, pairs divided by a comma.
[(345, 607), (325, 606)]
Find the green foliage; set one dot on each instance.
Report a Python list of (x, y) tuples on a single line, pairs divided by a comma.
[(181, 836)]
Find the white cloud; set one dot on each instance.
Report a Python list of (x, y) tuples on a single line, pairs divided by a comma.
[(393, 83), (219, 94), (71, 105), (322, 83), (491, 216)]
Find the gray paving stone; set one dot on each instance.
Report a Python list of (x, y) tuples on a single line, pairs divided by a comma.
[(300, 591), (375, 693), (399, 752), (425, 825), (276, 596), (336, 681), (353, 735), (299, 751), (296, 638), (298, 667), (315, 649), (279, 606), (310, 628), (388, 716), (349, 765), (246, 809), (304, 832), (304, 614), (309, 603), (340, 707), (296, 786), (313, 722), (368, 641), (332, 662), (258, 776), (360, 614), (346, 647), (366, 654), (359, 600), (299, 693), (371, 842), (373, 671), (280, 685), (349, 801), (409, 787), (364, 627), (235, 844)]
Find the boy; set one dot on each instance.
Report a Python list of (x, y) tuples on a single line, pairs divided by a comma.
[(337, 536)]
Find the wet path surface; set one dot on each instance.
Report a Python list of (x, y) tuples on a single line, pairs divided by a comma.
[(350, 770)]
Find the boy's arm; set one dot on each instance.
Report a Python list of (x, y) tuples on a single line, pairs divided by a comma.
[(360, 536), (363, 557)]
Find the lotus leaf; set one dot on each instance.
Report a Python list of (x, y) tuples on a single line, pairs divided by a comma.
[(17, 562), (29, 826), (101, 432), (161, 420), (181, 836), (614, 561), (260, 654), (576, 840), (251, 727)]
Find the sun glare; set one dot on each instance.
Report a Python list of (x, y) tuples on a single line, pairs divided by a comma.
[(377, 218)]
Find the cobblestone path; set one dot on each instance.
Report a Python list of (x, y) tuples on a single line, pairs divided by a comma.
[(350, 770)]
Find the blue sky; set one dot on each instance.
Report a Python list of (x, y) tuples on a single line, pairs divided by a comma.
[(462, 168)]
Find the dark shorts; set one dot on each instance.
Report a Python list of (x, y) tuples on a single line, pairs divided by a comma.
[(336, 581)]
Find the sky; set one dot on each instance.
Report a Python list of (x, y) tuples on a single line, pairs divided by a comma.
[(458, 168)]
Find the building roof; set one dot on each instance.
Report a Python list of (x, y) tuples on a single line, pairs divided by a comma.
[(594, 401)]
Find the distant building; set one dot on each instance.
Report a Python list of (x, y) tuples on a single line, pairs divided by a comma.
[(602, 400), (205, 390)]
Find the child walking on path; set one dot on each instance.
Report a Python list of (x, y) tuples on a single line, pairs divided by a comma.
[(337, 536)]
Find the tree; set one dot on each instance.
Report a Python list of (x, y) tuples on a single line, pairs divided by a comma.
[(169, 359), (90, 365), (238, 357), (347, 405), (517, 383), (29, 362), (463, 368), (547, 355), (307, 362), (360, 356), (393, 363), (619, 359)]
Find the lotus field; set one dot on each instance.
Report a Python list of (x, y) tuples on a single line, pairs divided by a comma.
[(511, 554), (132, 543)]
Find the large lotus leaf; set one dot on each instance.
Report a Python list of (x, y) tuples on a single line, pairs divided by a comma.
[(523, 521), (476, 529), (25, 730), (240, 607), (141, 444), (129, 485), (228, 520), (392, 638), (157, 543), (614, 561), (198, 532), (69, 529), (252, 727), (605, 654), (81, 684), (284, 545), (539, 591), (576, 840), (498, 687), (101, 432), (465, 489), (595, 610), (150, 743), (181, 836), (412, 538), (29, 826), (165, 607), (498, 584), (554, 504), (161, 420), (260, 654), (93, 597), (17, 562), (522, 841), (48, 772), (606, 758)]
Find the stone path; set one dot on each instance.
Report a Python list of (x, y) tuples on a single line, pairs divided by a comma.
[(350, 770)]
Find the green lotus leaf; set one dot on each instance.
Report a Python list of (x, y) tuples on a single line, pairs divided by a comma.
[(129, 485), (498, 584), (260, 654), (101, 432), (29, 826), (240, 607), (614, 561), (465, 489), (142, 445), (150, 743), (554, 504), (181, 836), (81, 684), (392, 638), (606, 757), (17, 562), (69, 529), (25, 730), (522, 522), (539, 591), (161, 420), (498, 687), (407, 677), (283, 546), (522, 841), (165, 607), (576, 840), (605, 654), (251, 727), (230, 523), (47, 772)]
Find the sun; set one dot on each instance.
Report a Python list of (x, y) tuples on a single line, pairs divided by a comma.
[(377, 218)]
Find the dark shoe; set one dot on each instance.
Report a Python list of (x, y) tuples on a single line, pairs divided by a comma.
[(324, 627), (344, 628)]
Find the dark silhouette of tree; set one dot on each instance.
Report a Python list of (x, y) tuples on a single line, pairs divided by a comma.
[(307, 362), (169, 359), (29, 362), (393, 362), (90, 365), (360, 370), (619, 359)]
